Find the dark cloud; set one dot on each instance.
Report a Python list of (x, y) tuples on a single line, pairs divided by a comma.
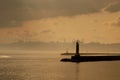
[(15, 12), (114, 8)]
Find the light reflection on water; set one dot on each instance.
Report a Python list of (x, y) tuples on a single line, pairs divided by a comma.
[(5, 56), (49, 67)]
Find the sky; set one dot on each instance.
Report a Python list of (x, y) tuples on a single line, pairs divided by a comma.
[(60, 20)]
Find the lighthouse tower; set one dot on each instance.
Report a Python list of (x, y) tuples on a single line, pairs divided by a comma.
[(76, 57), (77, 49)]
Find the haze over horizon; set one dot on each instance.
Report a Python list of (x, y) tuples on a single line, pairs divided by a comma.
[(60, 20)]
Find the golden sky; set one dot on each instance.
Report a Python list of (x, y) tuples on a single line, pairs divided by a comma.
[(60, 20)]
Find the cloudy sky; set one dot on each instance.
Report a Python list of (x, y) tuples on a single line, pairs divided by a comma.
[(60, 20)]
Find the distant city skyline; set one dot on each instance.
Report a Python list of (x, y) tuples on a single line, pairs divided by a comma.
[(60, 20)]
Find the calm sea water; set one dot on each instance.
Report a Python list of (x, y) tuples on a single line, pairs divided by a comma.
[(47, 66)]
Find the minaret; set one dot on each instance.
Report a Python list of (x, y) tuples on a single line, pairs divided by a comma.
[(77, 49)]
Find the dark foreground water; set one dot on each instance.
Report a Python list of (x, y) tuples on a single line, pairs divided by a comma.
[(47, 66)]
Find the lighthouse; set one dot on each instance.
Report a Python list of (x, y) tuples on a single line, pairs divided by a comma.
[(77, 49), (76, 57)]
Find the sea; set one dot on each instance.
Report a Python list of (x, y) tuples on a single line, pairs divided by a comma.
[(47, 66)]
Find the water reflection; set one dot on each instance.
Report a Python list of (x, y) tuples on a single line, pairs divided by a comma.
[(49, 68), (77, 71), (5, 56), (10, 70)]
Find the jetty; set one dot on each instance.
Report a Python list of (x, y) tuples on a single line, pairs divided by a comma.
[(77, 57)]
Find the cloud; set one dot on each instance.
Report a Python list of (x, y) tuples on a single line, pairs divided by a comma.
[(114, 8), (47, 31), (117, 23), (15, 12)]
